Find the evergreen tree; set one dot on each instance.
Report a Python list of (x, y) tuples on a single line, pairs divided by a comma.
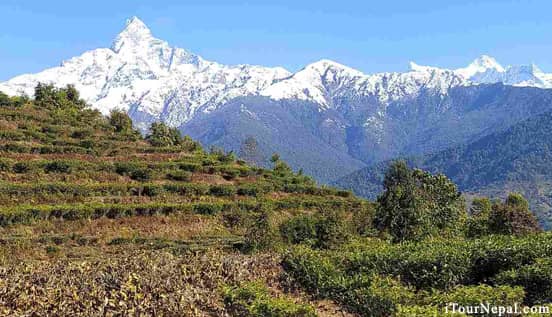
[(120, 121), (163, 135), (416, 204)]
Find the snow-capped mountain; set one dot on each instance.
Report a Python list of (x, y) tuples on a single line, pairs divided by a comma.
[(155, 81), (326, 118), (150, 79), (485, 70), (325, 80)]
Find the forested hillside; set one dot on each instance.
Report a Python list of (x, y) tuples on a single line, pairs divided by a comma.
[(517, 159), (97, 220)]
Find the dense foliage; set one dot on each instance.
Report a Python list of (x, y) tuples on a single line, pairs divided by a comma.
[(416, 204)]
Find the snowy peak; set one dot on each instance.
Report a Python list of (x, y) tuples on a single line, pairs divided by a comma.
[(480, 65), (135, 33), (324, 66), (317, 82), (419, 68)]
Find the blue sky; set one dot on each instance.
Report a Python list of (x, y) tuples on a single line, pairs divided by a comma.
[(371, 36)]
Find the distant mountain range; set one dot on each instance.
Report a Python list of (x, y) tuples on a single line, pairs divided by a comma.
[(328, 119)]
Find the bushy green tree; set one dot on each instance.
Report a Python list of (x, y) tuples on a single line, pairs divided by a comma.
[(47, 95), (512, 217), (120, 121), (162, 135), (509, 217), (416, 204), (4, 100), (478, 223), (280, 167)]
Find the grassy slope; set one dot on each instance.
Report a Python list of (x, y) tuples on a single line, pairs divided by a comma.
[(81, 235)]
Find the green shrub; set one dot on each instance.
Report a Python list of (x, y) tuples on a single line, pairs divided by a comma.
[(161, 135), (513, 217), (416, 205), (381, 298), (190, 167), (315, 271), (536, 280), (261, 235), (82, 133), (331, 229), (141, 174), (253, 300), (301, 229), (57, 167), (423, 311), (493, 254), (325, 230), (151, 190), (254, 189), (249, 190), (365, 294), (229, 173), (363, 219), (5, 165), (181, 176), (475, 295), (207, 209), (21, 167), (223, 190), (432, 264), (120, 121), (187, 189)]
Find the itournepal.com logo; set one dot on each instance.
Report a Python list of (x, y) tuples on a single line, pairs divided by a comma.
[(496, 310)]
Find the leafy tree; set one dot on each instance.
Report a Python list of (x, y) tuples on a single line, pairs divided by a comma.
[(280, 167), (46, 95), (163, 135), (478, 223), (120, 121), (509, 217), (4, 100), (512, 217), (416, 204)]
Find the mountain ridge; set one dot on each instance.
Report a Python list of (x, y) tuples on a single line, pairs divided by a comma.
[(146, 76)]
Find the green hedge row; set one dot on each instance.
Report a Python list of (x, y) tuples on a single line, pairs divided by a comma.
[(133, 189), (28, 213), (254, 300), (326, 274), (445, 264)]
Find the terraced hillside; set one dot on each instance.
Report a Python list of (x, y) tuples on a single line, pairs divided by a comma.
[(96, 220)]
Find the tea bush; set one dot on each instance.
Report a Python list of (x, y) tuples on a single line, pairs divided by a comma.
[(57, 167), (365, 294), (223, 190), (301, 229), (536, 280), (253, 300), (21, 167), (181, 176)]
